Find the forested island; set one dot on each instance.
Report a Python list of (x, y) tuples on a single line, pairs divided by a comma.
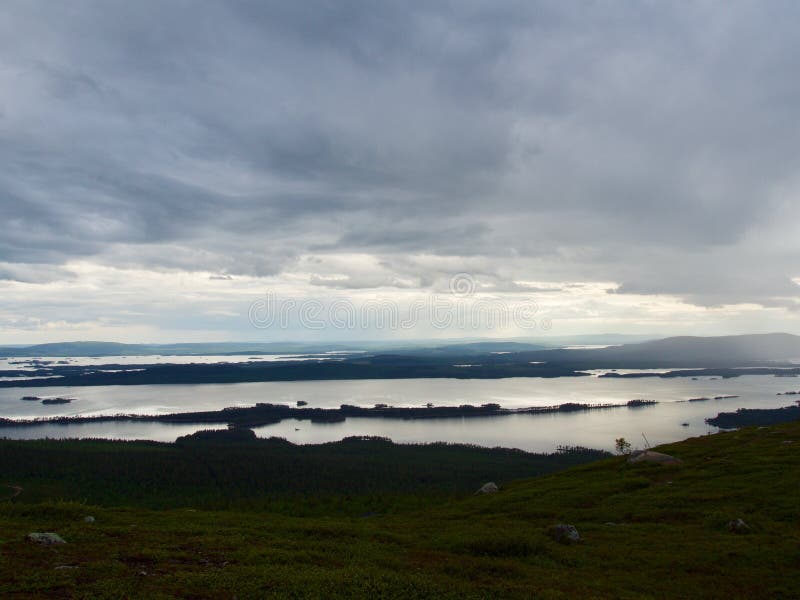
[(265, 414), (745, 417)]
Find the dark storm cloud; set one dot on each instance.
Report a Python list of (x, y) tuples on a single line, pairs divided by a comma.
[(650, 144)]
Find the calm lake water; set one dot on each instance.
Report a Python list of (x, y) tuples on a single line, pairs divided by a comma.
[(660, 423)]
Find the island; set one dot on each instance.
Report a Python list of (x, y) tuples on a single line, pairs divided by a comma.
[(58, 400), (266, 414)]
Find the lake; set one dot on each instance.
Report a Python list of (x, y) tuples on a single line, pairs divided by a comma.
[(660, 423)]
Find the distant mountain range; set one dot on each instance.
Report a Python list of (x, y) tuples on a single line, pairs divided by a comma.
[(681, 356), (684, 351), (116, 349), (441, 347), (768, 347), (239, 348), (672, 352)]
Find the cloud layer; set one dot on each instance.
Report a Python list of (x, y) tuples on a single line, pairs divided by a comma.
[(372, 147)]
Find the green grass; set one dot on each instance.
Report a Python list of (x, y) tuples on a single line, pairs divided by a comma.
[(668, 538)]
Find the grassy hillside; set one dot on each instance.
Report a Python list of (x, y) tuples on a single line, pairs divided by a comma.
[(647, 531)]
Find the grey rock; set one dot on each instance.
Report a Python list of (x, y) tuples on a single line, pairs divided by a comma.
[(564, 534), (89, 519), (641, 456), (46, 539), (488, 488), (738, 526)]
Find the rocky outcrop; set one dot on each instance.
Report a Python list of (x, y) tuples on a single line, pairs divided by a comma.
[(488, 488), (643, 456), (738, 526), (564, 534), (46, 539)]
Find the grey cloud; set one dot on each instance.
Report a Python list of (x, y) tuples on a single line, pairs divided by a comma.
[(411, 233), (360, 282), (34, 273), (644, 144)]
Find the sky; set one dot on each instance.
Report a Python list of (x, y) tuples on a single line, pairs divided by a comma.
[(172, 169)]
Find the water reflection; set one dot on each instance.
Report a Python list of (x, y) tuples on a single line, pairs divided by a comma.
[(661, 423)]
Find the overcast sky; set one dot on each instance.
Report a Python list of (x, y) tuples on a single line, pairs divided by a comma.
[(627, 166)]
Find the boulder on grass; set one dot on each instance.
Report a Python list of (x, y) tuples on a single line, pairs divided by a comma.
[(738, 526), (46, 539), (488, 488), (564, 534), (642, 456)]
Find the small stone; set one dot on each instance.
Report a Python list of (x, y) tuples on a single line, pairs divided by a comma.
[(488, 488), (738, 526), (89, 519), (46, 539), (564, 534), (65, 567)]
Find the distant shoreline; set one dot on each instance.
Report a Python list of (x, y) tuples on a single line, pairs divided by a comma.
[(386, 368)]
